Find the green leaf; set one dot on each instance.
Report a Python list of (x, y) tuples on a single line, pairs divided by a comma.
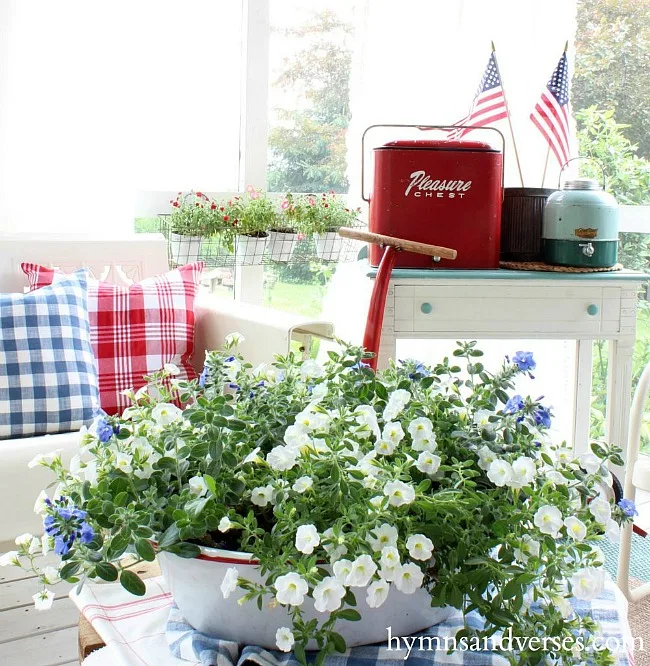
[(348, 614), (511, 589), (132, 583), (299, 653), (381, 391), (210, 483), (145, 550), (170, 535), (349, 598), (118, 544), (184, 549), (237, 425), (69, 570), (106, 571), (338, 641)]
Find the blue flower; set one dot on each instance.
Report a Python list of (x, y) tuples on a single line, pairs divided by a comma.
[(230, 359), (50, 526), (104, 431), (62, 546), (543, 417), (524, 361), (203, 377), (629, 507), (235, 387), (87, 533), (515, 404)]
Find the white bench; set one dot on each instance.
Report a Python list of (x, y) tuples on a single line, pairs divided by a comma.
[(267, 332)]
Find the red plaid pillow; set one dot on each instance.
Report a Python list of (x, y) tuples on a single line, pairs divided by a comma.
[(135, 330)]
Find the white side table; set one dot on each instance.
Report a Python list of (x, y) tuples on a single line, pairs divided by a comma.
[(506, 304)]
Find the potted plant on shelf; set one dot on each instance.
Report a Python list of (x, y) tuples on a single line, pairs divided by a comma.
[(252, 215), (333, 499), (323, 215), (192, 219), (283, 236)]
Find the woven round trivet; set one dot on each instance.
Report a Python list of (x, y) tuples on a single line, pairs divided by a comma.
[(541, 266)]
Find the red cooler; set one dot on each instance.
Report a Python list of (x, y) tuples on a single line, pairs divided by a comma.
[(439, 192)]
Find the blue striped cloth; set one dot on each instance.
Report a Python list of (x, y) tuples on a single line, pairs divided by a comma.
[(188, 644)]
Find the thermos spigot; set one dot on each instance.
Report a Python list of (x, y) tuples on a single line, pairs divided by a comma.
[(587, 249)]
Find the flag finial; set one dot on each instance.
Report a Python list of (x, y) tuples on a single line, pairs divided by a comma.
[(493, 47), (566, 46)]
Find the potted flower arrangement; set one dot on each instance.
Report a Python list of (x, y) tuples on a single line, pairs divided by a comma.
[(283, 236), (339, 502), (192, 218), (252, 215), (323, 216)]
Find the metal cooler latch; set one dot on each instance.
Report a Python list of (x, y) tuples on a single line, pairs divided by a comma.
[(588, 249)]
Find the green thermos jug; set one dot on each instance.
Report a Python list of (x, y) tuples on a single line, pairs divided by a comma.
[(581, 225)]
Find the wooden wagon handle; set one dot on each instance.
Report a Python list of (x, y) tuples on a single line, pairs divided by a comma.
[(398, 243)]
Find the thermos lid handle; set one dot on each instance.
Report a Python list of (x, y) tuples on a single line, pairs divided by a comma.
[(422, 127), (573, 159)]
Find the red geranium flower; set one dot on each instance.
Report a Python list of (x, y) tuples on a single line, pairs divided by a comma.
[(225, 218)]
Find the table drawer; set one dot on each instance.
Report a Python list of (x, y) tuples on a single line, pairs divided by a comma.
[(580, 310)]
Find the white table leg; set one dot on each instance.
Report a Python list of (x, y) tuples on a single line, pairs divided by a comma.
[(582, 404), (619, 394)]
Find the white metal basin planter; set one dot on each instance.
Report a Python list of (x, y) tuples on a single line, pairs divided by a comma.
[(195, 585)]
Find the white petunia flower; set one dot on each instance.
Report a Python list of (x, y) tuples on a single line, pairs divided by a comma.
[(262, 495), (425, 443), (587, 583), (229, 582), (198, 486), (365, 415), (590, 463), (486, 457), (377, 501), (612, 530), (253, 456), (40, 507), (564, 455), (556, 478), (399, 493), (291, 589), (303, 484), (408, 578), (389, 573), (311, 369), (46, 543), (50, 575), (393, 432), (43, 600), (296, 437), (362, 570), (428, 463), (312, 420), (482, 417), (377, 593), (523, 472), (284, 639), (44, 458), (334, 550), (123, 462), (575, 528), (342, 569), (24, 540), (319, 392), (600, 509), (91, 473), (420, 428), (500, 473), (384, 535), (171, 369), (563, 605), (10, 559), (282, 458), (420, 547), (328, 595), (234, 339), (389, 557), (397, 400), (307, 538), (548, 519), (529, 548), (165, 413), (145, 471), (385, 447), (224, 524)]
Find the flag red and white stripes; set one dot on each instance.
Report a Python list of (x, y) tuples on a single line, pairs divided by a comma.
[(551, 113), (489, 104)]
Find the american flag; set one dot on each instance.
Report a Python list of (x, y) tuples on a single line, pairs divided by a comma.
[(551, 113), (489, 103)]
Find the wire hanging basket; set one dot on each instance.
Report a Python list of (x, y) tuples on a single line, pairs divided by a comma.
[(273, 247)]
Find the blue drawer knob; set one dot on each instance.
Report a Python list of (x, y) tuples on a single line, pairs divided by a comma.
[(592, 309), (426, 308)]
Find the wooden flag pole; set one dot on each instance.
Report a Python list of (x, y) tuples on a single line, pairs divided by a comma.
[(505, 101)]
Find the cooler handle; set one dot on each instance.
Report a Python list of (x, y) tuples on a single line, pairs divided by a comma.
[(424, 128), (591, 159)]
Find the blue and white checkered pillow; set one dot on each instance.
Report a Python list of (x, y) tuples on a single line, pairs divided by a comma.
[(48, 374)]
